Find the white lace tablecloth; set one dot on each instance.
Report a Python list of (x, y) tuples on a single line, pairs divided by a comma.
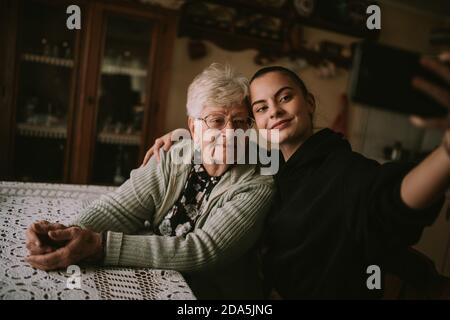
[(23, 203)]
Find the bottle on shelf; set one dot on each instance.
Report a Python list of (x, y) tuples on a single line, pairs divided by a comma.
[(46, 51), (49, 120), (118, 177), (30, 109), (397, 151), (55, 51), (66, 52), (126, 58)]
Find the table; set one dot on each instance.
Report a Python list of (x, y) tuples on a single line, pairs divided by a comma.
[(23, 203)]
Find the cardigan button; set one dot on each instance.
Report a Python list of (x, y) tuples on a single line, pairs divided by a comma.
[(147, 224)]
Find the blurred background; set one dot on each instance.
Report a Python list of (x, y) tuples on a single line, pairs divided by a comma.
[(83, 106)]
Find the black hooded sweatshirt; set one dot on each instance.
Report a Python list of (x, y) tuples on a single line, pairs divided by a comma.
[(335, 214)]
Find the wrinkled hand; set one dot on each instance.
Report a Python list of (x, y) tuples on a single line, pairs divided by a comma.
[(81, 245), (165, 142), (38, 240)]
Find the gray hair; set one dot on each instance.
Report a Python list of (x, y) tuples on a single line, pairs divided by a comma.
[(218, 85)]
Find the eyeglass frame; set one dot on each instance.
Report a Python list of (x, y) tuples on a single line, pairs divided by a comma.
[(228, 120)]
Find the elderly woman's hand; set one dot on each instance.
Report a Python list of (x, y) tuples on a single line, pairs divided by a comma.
[(37, 239), (440, 94), (81, 245)]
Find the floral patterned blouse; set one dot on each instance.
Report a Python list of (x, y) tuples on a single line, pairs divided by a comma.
[(181, 219)]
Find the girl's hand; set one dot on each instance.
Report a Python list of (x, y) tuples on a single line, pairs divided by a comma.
[(440, 94)]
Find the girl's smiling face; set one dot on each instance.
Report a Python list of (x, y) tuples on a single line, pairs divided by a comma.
[(278, 102)]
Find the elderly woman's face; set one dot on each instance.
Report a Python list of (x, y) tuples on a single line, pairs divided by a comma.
[(210, 129)]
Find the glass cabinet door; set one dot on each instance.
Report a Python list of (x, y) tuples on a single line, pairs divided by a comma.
[(122, 96), (45, 92)]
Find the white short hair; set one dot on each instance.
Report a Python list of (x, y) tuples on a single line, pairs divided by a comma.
[(218, 85)]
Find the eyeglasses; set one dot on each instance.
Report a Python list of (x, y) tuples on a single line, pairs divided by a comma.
[(218, 121)]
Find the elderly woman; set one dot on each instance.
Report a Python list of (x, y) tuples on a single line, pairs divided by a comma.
[(204, 219)]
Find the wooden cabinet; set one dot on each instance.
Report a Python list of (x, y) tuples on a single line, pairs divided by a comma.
[(81, 105)]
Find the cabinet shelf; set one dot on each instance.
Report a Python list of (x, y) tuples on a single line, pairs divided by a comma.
[(60, 132), (134, 72), (59, 62), (61, 92), (41, 131), (119, 138)]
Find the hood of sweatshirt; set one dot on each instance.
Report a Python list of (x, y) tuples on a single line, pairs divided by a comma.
[(314, 150)]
